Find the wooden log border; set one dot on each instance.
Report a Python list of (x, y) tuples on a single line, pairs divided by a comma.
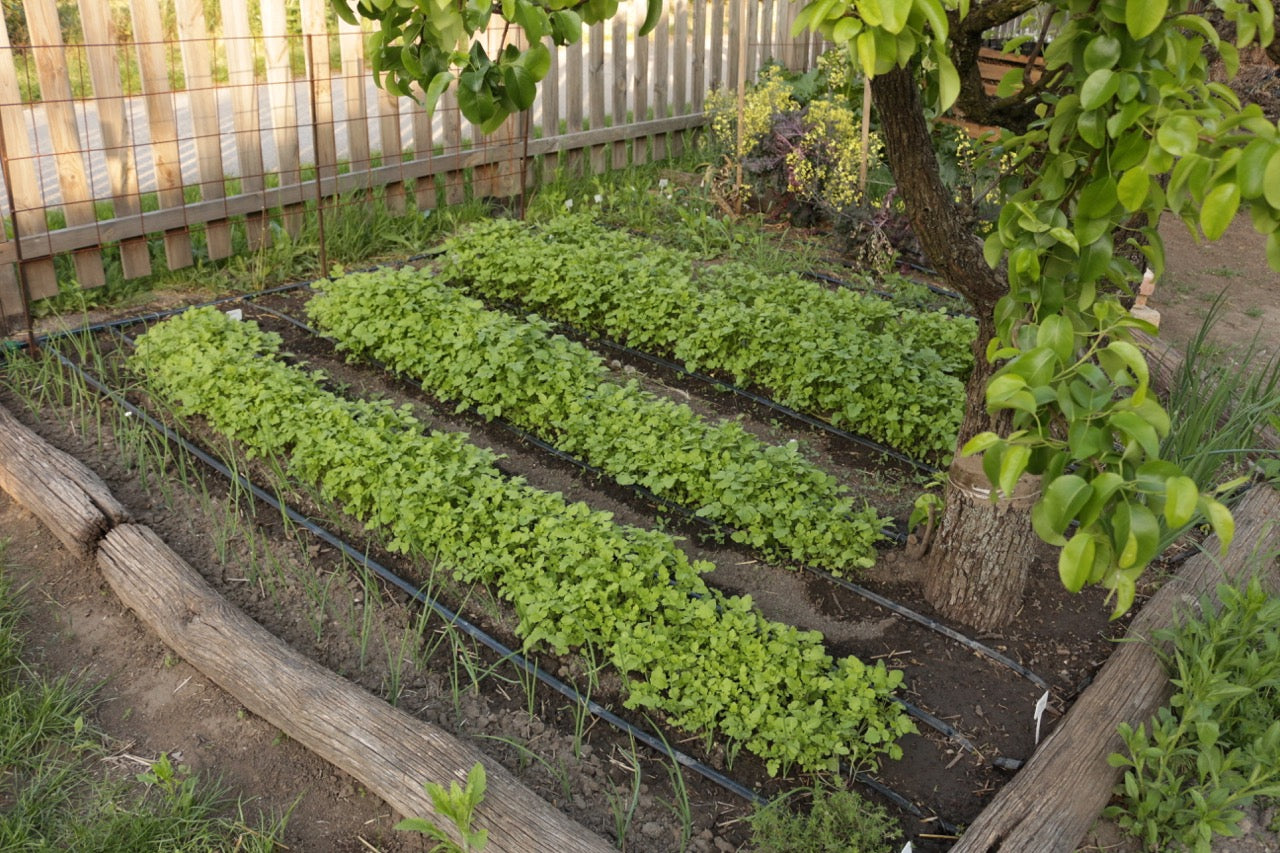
[(72, 501), (390, 752)]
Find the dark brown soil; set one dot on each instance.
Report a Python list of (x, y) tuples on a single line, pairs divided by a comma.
[(151, 703)]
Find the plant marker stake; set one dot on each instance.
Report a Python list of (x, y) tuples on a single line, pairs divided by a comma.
[(908, 848), (1041, 704), (235, 313)]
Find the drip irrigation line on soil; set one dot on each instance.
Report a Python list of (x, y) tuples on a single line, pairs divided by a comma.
[(939, 725), (390, 577), (758, 399), (522, 434), (933, 625), (213, 303), (684, 512), (358, 557), (884, 294)]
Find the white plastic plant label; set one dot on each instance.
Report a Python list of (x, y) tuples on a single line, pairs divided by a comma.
[(908, 848), (236, 314), (1041, 704)]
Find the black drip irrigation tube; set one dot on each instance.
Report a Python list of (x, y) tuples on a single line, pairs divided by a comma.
[(390, 577), (522, 434), (684, 512), (793, 414), (933, 625), (656, 743), (884, 294)]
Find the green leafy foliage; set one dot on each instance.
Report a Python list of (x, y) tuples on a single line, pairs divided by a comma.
[(711, 663), (418, 48), (457, 804), (772, 497), (890, 373), (838, 820), (1215, 747), (1125, 125)]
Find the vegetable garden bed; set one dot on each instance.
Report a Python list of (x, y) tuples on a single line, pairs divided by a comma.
[(947, 775)]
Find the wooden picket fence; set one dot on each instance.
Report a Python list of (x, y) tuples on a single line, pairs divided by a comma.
[(128, 125)]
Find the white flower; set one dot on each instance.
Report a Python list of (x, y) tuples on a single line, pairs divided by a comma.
[(662, 183), (568, 204), (599, 198)]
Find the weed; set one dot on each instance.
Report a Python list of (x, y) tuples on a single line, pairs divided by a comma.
[(458, 805), (838, 820), (1216, 408), (623, 803)]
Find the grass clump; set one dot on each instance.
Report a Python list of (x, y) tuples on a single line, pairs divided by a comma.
[(838, 820), (53, 797)]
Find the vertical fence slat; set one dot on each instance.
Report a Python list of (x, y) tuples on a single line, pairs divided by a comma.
[(103, 55), (680, 65), (454, 182), (752, 57), (315, 35), (549, 97), (640, 146), (797, 47), (284, 112), (390, 147), (28, 215), (737, 25), (28, 201), (355, 79), (55, 100), (718, 58), (595, 94), (769, 48), (574, 104), (503, 177), (699, 65), (618, 159), (238, 44), (163, 121), (661, 82), (197, 68), (424, 188)]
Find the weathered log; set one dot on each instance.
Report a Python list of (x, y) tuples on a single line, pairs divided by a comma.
[(387, 750), (66, 496), (1058, 795)]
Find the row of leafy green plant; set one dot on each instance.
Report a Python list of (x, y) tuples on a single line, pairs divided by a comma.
[(711, 663), (772, 497), (892, 374)]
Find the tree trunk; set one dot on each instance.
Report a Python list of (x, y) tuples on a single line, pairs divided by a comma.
[(978, 559)]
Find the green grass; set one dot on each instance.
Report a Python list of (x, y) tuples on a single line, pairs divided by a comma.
[(56, 798)]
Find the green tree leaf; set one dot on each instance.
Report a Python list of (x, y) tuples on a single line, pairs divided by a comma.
[(1141, 17), (1075, 561), (1219, 210)]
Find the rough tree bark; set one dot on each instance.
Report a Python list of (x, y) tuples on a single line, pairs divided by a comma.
[(978, 560)]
